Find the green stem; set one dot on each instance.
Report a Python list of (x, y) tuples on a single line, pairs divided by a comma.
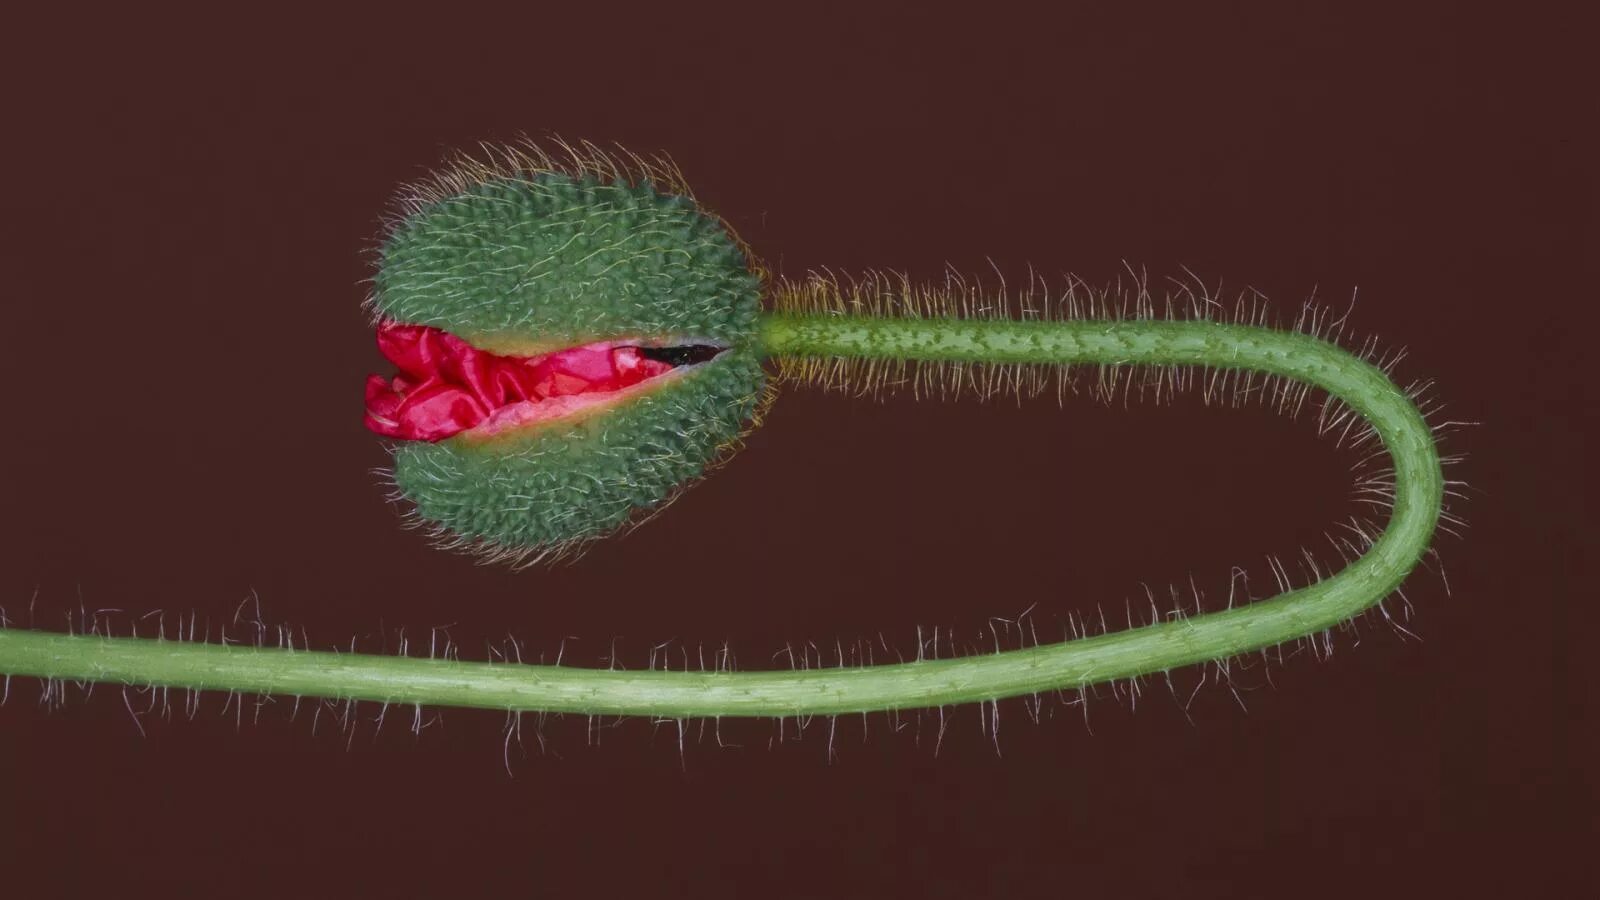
[(1071, 664)]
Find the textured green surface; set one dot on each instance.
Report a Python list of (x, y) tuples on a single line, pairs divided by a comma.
[(548, 258), (569, 481), (555, 261)]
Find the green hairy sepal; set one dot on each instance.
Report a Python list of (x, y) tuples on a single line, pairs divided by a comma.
[(554, 260), (536, 492)]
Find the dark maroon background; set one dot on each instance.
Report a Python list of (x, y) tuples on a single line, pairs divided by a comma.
[(189, 204)]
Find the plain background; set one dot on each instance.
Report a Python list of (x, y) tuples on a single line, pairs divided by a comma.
[(190, 204)]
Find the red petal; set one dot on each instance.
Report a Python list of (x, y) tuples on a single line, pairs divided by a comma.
[(447, 386)]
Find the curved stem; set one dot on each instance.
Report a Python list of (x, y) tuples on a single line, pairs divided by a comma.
[(1072, 664)]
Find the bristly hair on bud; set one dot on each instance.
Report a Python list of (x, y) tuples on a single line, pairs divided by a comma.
[(528, 255)]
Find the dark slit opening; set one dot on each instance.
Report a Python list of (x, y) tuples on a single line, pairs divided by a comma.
[(685, 355)]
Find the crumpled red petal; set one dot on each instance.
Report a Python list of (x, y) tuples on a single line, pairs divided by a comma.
[(446, 386)]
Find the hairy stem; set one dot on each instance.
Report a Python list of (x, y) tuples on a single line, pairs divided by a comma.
[(1067, 665)]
